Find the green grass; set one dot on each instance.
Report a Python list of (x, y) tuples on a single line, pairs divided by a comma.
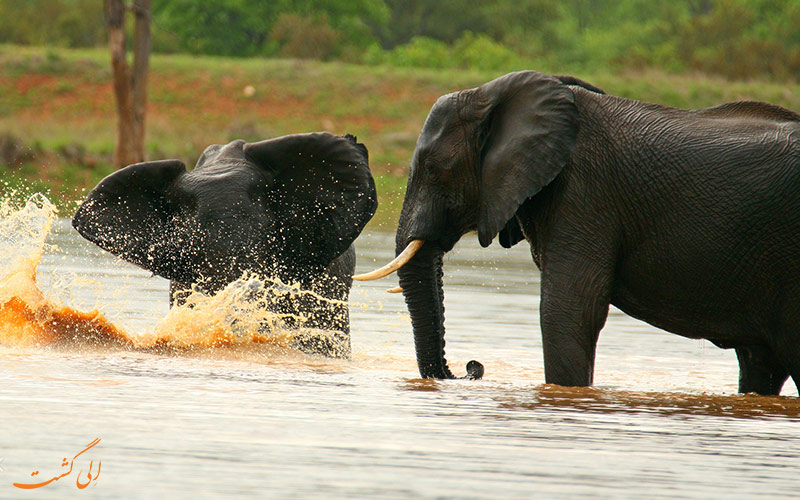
[(391, 190), (52, 99)]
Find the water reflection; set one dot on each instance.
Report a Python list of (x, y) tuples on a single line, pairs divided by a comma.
[(665, 404), (545, 397)]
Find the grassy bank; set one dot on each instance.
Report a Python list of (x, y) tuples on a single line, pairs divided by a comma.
[(57, 121)]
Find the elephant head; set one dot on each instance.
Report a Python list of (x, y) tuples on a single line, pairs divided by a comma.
[(482, 152), (288, 205)]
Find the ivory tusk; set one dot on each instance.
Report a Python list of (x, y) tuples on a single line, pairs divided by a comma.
[(394, 265), (396, 289)]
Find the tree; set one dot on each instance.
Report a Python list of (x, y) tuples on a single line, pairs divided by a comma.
[(130, 84), (243, 28)]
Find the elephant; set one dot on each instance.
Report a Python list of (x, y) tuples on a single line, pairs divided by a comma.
[(686, 219), (287, 209)]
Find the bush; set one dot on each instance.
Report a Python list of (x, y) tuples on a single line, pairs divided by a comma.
[(483, 53), (479, 52), (739, 39), (306, 37), (69, 23), (421, 52)]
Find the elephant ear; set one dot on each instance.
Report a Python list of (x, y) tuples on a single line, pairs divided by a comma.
[(511, 234), (529, 123), (322, 192), (129, 215)]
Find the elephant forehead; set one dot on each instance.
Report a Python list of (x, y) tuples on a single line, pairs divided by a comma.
[(233, 151), (230, 222), (439, 119), (207, 200), (223, 180)]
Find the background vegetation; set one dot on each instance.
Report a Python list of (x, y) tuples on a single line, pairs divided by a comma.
[(732, 38), (253, 69)]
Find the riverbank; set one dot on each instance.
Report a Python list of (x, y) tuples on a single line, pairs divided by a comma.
[(57, 117)]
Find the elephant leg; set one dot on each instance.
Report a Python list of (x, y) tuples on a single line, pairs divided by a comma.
[(326, 328), (760, 371), (328, 343), (573, 310), (327, 333)]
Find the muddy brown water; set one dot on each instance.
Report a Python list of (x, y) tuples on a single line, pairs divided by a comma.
[(261, 421)]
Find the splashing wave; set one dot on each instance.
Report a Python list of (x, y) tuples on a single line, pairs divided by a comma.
[(236, 316)]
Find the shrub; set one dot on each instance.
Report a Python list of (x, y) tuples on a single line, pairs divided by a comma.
[(483, 53), (421, 52), (306, 37), (479, 52)]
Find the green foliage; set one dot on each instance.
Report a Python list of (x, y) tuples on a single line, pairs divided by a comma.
[(420, 52), (738, 38), (440, 20), (306, 37), (218, 27), (245, 28), (69, 23), (732, 38), (484, 53), (471, 51)]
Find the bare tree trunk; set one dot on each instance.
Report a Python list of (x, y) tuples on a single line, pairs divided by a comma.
[(141, 65), (130, 86)]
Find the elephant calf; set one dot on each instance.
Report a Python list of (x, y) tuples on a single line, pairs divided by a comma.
[(686, 219), (286, 208)]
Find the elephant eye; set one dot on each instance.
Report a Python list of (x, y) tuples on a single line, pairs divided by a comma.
[(432, 169), (441, 174)]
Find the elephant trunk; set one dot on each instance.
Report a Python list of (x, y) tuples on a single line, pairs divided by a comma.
[(421, 281)]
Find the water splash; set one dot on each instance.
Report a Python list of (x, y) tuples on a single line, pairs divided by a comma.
[(23, 231), (239, 315)]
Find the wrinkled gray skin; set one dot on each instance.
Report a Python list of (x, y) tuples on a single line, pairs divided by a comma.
[(286, 208), (686, 219)]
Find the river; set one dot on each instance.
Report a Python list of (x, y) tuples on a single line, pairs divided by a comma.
[(258, 420)]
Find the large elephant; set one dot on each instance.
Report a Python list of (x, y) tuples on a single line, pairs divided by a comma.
[(686, 219), (286, 208)]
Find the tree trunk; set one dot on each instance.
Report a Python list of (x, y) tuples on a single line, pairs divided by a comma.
[(141, 66), (130, 85)]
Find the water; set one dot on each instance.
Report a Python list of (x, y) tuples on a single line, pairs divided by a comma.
[(258, 420)]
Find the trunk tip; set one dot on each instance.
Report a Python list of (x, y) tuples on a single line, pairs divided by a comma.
[(474, 370)]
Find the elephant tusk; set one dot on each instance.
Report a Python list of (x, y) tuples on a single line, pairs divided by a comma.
[(396, 289), (394, 265)]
